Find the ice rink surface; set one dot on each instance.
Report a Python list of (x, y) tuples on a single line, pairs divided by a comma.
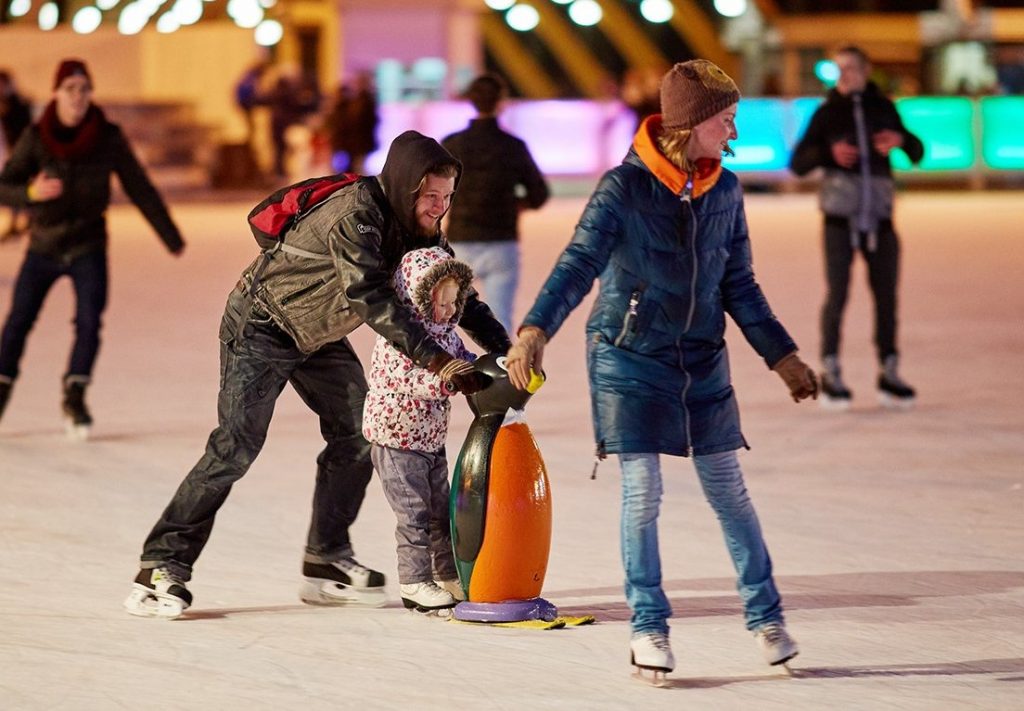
[(898, 538)]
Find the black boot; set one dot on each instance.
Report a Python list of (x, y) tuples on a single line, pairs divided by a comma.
[(5, 393), (76, 415)]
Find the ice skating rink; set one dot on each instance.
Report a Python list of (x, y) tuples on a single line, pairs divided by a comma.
[(898, 538)]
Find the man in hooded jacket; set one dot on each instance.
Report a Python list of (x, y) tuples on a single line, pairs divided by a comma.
[(293, 329)]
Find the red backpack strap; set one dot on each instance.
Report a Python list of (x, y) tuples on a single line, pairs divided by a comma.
[(274, 216)]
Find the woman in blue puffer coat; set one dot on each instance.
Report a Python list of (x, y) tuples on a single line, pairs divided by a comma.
[(665, 232)]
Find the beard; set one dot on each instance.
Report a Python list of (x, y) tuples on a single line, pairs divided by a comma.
[(428, 233)]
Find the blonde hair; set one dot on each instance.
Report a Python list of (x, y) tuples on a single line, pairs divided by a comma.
[(673, 143)]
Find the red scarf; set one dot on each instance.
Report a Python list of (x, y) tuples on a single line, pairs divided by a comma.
[(71, 143)]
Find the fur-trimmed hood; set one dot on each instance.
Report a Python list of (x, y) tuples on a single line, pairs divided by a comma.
[(420, 271)]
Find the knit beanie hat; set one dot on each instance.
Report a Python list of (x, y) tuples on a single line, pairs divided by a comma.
[(693, 92), (70, 67)]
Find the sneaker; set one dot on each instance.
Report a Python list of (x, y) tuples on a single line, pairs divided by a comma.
[(157, 592), (651, 650), (893, 391), (342, 582), (454, 587), (776, 644), (426, 596)]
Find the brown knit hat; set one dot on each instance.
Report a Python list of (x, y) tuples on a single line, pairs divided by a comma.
[(70, 67), (693, 92)]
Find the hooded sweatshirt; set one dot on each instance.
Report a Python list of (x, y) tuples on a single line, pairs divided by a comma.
[(407, 407)]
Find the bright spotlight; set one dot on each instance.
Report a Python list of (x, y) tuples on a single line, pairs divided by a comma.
[(86, 20), (522, 18), (20, 8), (106, 4), (500, 5), (268, 33), (826, 71), (731, 8), (48, 16), (656, 11), (168, 23), (585, 13), (188, 12)]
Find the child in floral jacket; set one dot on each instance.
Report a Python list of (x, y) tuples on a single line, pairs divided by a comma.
[(405, 419)]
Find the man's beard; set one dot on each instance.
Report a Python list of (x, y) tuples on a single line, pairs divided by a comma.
[(422, 231)]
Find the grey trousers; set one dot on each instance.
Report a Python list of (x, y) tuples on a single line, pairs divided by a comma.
[(416, 485)]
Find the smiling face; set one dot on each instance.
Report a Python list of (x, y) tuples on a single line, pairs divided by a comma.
[(710, 138), (444, 298), (432, 201), (72, 98)]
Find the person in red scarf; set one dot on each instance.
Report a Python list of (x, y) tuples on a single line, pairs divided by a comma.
[(666, 234), (60, 169)]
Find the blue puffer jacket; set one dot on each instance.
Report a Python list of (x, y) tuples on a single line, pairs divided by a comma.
[(669, 271)]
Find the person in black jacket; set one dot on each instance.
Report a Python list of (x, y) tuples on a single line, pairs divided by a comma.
[(15, 117), (287, 321), (60, 168), (851, 136), (484, 221)]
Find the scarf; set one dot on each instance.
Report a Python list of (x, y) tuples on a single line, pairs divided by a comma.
[(71, 143)]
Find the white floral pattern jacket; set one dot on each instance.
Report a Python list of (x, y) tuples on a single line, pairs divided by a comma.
[(408, 407)]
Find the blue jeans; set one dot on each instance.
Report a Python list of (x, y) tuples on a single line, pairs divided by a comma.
[(722, 481), (38, 274), (496, 266)]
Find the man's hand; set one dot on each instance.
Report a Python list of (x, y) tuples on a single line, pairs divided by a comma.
[(798, 377), (844, 154), (44, 187), (526, 353), (460, 374), (884, 141)]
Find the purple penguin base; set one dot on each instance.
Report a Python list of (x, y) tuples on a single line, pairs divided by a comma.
[(509, 611)]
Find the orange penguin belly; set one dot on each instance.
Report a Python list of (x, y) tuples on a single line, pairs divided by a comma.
[(517, 531)]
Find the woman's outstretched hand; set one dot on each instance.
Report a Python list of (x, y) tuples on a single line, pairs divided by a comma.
[(526, 353)]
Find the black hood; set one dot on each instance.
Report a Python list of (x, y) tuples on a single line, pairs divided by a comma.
[(411, 156)]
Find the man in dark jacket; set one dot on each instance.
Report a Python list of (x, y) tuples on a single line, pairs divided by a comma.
[(15, 117), (291, 327), (666, 233), (60, 169), (851, 136), (484, 222)]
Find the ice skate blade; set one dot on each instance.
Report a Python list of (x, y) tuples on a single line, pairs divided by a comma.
[(834, 404), (142, 602), (317, 591), (891, 402), (652, 677), (76, 433), (443, 613)]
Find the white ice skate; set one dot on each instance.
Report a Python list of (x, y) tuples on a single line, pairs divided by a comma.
[(157, 592), (342, 582), (454, 587), (428, 598), (652, 656), (776, 644)]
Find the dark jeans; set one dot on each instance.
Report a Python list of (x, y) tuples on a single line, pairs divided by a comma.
[(883, 273), (253, 374), (38, 273)]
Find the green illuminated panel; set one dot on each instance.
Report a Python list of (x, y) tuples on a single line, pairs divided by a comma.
[(945, 126), (1002, 143)]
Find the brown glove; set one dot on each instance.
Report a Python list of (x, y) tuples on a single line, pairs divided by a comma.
[(459, 373), (798, 377), (527, 353)]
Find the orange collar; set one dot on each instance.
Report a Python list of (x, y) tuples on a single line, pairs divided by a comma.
[(675, 179)]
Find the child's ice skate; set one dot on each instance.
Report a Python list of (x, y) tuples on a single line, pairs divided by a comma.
[(776, 644), (454, 587), (157, 592), (893, 391), (652, 656), (77, 420), (342, 582), (429, 598)]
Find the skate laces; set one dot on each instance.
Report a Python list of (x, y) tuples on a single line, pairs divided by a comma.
[(350, 565), (773, 634), (657, 640)]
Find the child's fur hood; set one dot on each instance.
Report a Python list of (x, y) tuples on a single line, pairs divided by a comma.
[(420, 271)]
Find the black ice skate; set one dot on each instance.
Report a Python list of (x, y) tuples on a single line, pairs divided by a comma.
[(77, 420), (652, 656), (893, 392), (6, 384), (157, 592), (834, 393), (342, 582)]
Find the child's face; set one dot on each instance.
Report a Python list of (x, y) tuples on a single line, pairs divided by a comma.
[(444, 298)]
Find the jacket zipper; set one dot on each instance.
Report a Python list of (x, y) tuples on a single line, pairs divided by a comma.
[(629, 320), (685, 199)]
